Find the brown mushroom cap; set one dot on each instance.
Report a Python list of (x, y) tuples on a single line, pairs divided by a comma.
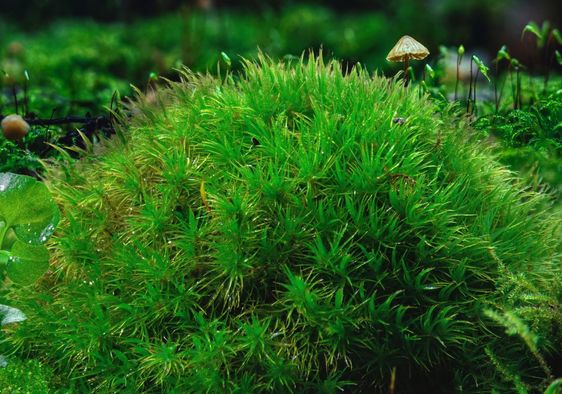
[(407, 48), (14, 127)]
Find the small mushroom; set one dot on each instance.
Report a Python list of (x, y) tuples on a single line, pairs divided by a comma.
[(405, 49), (14, 127)]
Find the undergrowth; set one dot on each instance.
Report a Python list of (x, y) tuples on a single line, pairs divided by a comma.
[(28, 377), (530, 142), (285, 231)]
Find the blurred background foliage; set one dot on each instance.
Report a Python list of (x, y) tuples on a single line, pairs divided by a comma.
[(77, 63), (66, 57)]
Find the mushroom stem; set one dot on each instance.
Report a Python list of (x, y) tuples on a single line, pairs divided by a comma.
[(406, 72)]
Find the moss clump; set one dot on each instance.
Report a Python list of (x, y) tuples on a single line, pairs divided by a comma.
[(26, 377), (530, 142), (297, 229)]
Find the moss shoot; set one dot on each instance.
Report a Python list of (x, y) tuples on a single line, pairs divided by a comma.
[(295, 229)]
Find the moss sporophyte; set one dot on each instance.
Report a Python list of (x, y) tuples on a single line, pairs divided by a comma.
[(285, 231)]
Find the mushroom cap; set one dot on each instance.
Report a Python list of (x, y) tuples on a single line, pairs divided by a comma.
[(407, 48), (14, 127)]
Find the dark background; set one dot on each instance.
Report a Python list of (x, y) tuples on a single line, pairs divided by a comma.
[(477, 23)]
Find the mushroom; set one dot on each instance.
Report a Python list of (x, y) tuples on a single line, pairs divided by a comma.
[(14, 127), (405, 49)]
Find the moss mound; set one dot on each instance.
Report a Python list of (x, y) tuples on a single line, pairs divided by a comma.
[(296, 229), (27, 377)]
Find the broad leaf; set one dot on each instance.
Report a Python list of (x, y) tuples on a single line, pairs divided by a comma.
[(27, 263), (26, 207), (4, 256), (554, 387)]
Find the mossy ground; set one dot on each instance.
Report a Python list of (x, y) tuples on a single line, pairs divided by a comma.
[(28, 377), (297, 228)]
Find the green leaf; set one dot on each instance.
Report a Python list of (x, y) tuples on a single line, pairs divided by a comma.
[(554, 387), (27, 263), (460, 50), (27, 207), (482, 67), (4, 256)]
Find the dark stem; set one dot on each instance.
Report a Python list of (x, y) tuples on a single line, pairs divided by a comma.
[(504, 82), (474, 92), (469, 89), (547, 64), (532, 69), (459, 60), (25, 98), (406, 72), (496, 87), (15, 97), (519, 96)]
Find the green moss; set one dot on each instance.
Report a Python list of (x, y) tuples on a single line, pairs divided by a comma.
[(530, 142), (284, 232), (26, 377)]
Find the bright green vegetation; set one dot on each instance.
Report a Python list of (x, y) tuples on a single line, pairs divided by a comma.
[(519, 116), (530, 141), (281, 231), (76, 67), (26, 377)]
